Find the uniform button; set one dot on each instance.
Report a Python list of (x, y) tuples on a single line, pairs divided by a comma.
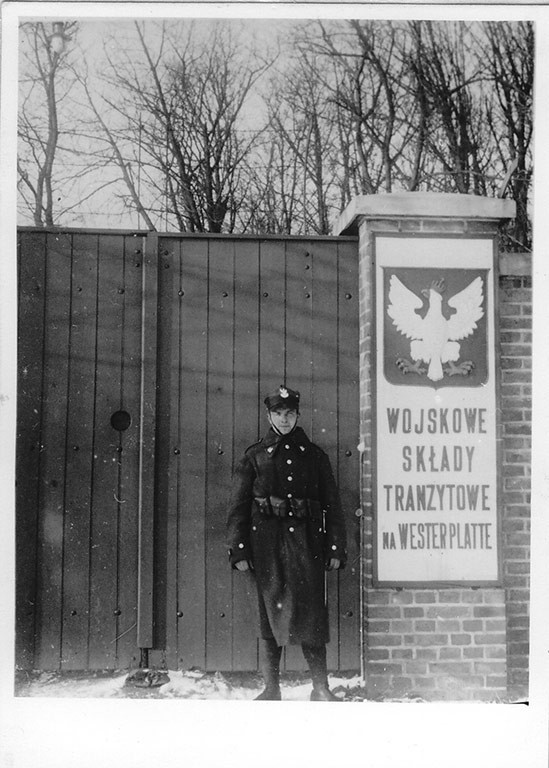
[(320, 530), (289, 495), (290, 477), (291, 514), (241, 546), (287, 447), (254, 528), (288, 461), (334, 546), (291, 530)]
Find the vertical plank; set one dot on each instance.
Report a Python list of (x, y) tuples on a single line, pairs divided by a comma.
[(147, 444), (104, 528), (31, 299), (159, 407), (192, 383), (325, 394), (78, 477), (272, 294), (348, 455), (129, 445), (219, 450), (169, 448), (299, 355), (53, 447), (246, 431)]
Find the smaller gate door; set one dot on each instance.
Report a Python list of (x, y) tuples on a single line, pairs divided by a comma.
[(237, 316)]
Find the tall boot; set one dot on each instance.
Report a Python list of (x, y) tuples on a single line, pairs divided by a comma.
[(315, 656), (269, 657)]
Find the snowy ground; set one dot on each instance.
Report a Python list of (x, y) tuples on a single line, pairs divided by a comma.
[(190, 684)]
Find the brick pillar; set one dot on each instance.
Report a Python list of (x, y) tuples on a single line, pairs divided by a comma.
[(443, 643)]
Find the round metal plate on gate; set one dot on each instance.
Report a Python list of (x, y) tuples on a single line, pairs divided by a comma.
[(121, 420)]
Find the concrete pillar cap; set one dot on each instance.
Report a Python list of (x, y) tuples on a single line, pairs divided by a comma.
[(422, 205)]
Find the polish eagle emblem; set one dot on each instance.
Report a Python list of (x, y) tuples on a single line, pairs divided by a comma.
[(434, 339)]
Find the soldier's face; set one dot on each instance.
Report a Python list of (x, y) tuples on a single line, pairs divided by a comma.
[(283, 419)]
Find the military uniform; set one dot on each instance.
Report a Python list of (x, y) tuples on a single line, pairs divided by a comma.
[(285, 519)]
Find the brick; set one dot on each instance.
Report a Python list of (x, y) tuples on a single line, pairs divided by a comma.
[(424, 682), (426, 654), (385, 669), (454, 668), (496, 625), (415, 667), (425, 626), (374, 626), (402, 653), (413, 612), (425, 597), (490, 667), (473, 653), (449, 612), (448, 625), (445, 654), (402, 626), (461, 639), (378, 597), (402, 598), (483, 611), (499, 681), (428, 639), (475, 625), (378, 654), (383, 641), (383, 612), (490, 638)]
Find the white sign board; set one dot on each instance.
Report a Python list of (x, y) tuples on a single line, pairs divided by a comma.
[(436, 479)]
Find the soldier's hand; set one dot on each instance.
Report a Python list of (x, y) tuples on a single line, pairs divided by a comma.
[(334, 564), (242, 565)]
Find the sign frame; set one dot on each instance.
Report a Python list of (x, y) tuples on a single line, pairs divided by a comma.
[(498, 448)]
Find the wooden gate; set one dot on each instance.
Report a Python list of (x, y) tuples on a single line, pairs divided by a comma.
[(142, 362)]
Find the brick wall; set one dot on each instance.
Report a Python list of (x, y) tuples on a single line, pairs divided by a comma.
[(467, 643)]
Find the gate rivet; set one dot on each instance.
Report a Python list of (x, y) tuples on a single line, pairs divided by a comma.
[(137, 263), (76, 448), (307, 295), (117, 612), (265, 294), (349, 614), (181, 293), (119, 449), (348, 296), (73, 613), (121, 290), (348, 453), (222, 615), (137, 250), (179, 614), (225, 294), (307, 266), (176, 451)]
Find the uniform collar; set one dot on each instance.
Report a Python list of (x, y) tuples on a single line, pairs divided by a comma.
[(272, 440)]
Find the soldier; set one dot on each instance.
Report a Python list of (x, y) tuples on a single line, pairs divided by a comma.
[(286, 526)]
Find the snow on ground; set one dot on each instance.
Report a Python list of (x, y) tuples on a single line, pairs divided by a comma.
[(189, 684)]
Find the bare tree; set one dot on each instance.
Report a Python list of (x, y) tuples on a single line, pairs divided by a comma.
[(45, 85)]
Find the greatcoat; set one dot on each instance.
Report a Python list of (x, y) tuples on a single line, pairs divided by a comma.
[(285, 518)]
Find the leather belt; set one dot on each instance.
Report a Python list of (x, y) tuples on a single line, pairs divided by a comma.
[(273, 506)]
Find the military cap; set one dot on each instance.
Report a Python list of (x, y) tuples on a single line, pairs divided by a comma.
[(282, 397)]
